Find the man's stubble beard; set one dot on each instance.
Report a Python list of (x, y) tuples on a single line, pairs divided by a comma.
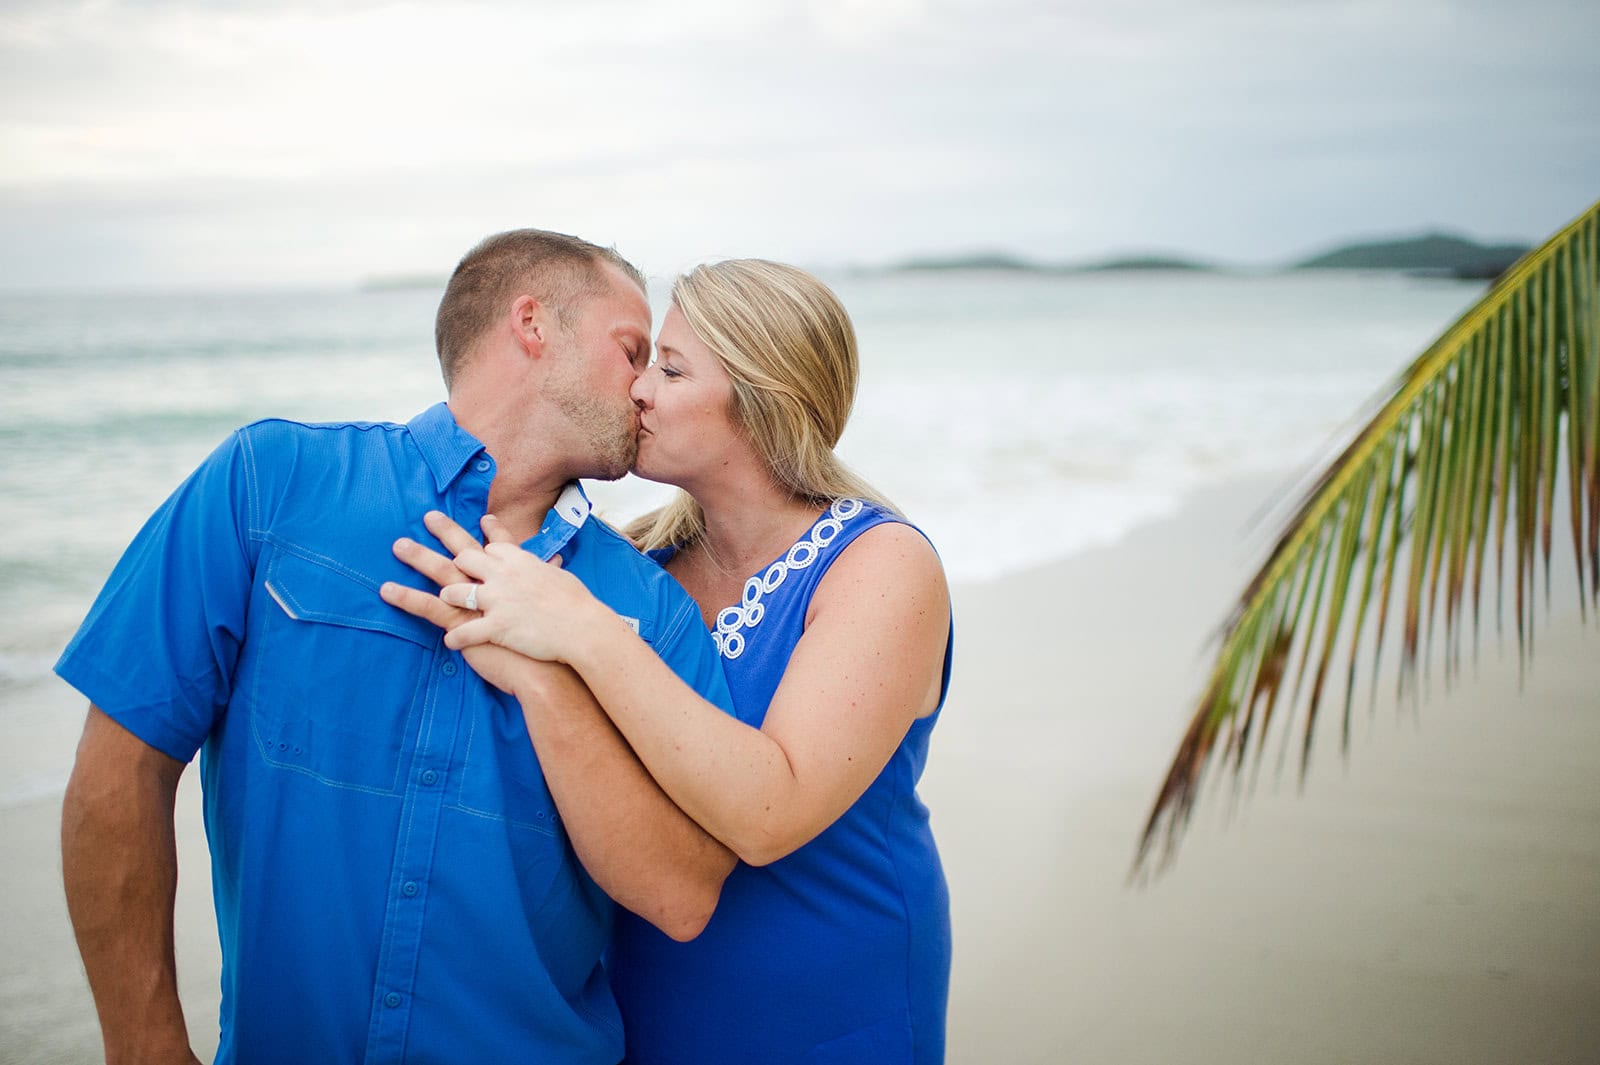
[(610, 435)]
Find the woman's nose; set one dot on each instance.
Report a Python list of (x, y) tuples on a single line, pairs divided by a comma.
[(641, 389)]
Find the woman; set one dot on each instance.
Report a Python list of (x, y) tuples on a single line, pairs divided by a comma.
[(831, 940)]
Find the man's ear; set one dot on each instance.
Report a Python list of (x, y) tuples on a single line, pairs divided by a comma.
[(531, 324)]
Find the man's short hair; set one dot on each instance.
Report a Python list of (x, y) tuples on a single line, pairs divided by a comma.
[(560, 271)]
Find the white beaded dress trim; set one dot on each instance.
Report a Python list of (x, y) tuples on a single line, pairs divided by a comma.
[(729, 638)]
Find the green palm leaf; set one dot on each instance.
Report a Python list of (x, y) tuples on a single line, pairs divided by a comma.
[(1469, 440)]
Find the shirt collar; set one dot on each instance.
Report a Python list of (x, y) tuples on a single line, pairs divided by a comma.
[(445, 446), (572, 505), (562, 523)]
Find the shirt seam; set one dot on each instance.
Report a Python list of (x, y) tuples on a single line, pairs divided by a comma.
[(252, 485), (675, 627), (290, 547)]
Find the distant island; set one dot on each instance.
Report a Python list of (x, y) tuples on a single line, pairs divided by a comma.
[(1428, 255), (974, 261), (1145, 262), (1431, 255), (1002, 262)]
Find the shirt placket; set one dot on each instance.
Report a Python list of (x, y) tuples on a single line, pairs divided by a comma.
[(406, 910)]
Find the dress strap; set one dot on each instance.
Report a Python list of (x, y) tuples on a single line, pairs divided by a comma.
[(733, 622)]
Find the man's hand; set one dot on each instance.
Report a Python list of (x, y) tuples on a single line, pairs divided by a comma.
[(119, 862)]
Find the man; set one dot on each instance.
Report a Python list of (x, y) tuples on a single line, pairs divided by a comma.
[(395, 873)]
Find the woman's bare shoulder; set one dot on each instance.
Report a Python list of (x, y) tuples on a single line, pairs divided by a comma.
[(891, 560)]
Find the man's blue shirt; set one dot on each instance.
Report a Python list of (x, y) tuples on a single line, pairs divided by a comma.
[(393, 882)]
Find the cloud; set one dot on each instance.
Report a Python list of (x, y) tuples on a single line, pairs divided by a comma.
[(265, 141)]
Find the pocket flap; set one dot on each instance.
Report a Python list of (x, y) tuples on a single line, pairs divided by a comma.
[(308, 589)]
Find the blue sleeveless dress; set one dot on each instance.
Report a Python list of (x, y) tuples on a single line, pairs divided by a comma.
[(838, 953)]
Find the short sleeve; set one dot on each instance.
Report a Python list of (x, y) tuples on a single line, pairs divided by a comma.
[(158, 647)]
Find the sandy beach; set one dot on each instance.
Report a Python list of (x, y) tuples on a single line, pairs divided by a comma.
[(1435, 898)]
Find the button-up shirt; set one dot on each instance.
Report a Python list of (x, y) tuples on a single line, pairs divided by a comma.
[(392, 879)]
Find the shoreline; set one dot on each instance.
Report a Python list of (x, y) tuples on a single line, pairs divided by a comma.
[(1434, 897)]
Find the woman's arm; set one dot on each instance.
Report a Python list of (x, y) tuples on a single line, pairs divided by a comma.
[(640, 848), (869, 664)]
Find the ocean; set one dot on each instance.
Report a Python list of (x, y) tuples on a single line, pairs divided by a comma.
[(1017, 418)]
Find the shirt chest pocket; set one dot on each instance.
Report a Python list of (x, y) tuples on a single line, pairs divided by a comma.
[(335, 677)]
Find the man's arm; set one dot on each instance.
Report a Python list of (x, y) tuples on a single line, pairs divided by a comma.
[(120, 864)]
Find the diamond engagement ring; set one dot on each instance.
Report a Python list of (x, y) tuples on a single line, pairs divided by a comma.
[(471, 602)]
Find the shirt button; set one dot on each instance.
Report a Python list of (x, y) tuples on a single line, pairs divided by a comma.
[(482, 466), (430, 777), (409, 889), (449, 669), (391, 1000)]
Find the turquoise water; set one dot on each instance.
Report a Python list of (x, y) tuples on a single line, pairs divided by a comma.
[(1017, 418)]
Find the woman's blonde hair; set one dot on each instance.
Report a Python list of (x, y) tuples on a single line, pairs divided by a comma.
[(789, 348)]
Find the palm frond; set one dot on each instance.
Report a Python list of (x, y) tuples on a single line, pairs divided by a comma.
[(1468, 443)]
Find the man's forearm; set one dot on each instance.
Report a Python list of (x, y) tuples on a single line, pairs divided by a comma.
[(120, 867), (644, 851)]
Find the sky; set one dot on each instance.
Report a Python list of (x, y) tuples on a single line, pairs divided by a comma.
[(226, 143)]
